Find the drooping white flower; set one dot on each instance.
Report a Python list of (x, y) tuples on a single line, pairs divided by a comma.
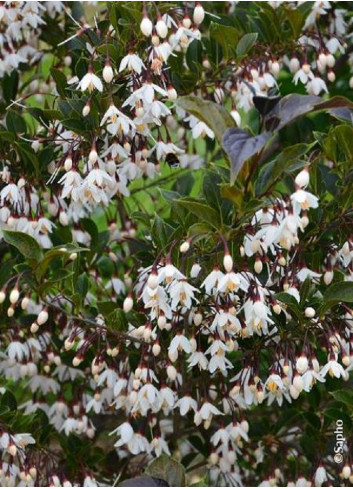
[(132, 62), (89, 82)]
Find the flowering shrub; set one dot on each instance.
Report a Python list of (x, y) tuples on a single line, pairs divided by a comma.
[(176, 245)]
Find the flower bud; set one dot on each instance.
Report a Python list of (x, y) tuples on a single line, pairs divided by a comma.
[(24, 303), (172, 93), (331, 76), (306, 68), (213, 458), (275, 68), (161, 28), (2, 296), (68, 164), (330, 60), (328, 277), (12, 449), (304, 220), (63, 218), (128, 304), (258, 265), (298, 382), (302, 179), (14, 295), (322, 59), (108, 73), (76, 361), (161, 321), (302, 364), (156, 349), (346, 472), (294, 65), (34, 327), (171, 372), (228, 262), (309, 312), (146, 26), (346, 360), (93, 156), (42, 317), (199, 13), (173, 356), (197, 319), (86, 110), (184, 247), (236, 116), (152, 281)]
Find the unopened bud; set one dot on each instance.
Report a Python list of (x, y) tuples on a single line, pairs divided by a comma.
[(309, 312), (228, 262), (128, 304)]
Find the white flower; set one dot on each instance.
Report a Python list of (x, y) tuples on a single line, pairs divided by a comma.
[(230, 282), (182, 293), (207, 411), (309, 378), (199, 128), (125, 432), (159, 445), (179, 343), (185, 404), (274, 382), (220, 436), (198, 358), (89, 82), (320, 476), (333, 368), (304, 75), (132, 62), (212, 280), (316, 86), (146, 94), (305, 273), (303, 200)]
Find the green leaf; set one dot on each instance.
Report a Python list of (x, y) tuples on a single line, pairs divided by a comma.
[(225, 35), (116, 321), (60, 81), (336, 293), (168, 469), (202, 211), (290, 302), (338, 145), (25, 244), (296, 20), (15, 123), (161, 232), (28, 155), (52, 254), (271, 172), (8, 401), (246, 43), (344, 396), (214, 115)]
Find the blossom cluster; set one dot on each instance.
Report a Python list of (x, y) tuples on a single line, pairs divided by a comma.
[(130, 142), (207, 327)]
